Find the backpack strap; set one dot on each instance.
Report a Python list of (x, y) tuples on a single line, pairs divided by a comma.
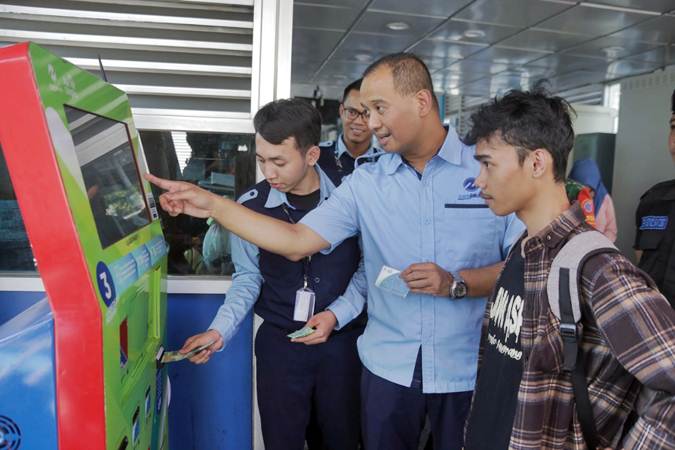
[(563, 297)]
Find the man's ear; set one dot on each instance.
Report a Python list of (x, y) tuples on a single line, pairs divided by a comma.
[(425, 102), (312, 155), (541, 161), (341, 110)]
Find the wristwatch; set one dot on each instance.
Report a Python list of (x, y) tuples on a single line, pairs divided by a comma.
[(458, 288)]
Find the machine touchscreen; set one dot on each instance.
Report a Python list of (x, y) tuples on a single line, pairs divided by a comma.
[(110, 174)]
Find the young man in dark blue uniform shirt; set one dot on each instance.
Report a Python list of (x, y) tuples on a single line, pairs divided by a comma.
[(294, 380), (354, 146), (655, 222)]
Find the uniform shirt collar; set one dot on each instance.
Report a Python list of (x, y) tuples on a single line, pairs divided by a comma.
[(277, 198), (341, 149), (450, 151)]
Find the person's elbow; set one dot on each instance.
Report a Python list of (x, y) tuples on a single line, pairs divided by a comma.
[(304, 243), (297, 255)]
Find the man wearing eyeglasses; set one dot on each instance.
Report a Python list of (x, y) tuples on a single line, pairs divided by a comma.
[(354, 146)]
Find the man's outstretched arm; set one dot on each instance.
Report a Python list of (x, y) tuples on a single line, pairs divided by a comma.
[(294, 241)]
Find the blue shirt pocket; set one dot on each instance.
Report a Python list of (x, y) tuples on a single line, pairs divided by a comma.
[(470, 237)]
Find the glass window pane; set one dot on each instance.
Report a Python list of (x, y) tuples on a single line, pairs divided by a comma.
[(223, 163), (15, 252)]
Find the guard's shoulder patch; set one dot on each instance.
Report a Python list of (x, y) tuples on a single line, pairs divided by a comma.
[(658, 223), (250, 195)]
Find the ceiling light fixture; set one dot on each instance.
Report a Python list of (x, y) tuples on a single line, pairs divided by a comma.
[(363, 57), (474, 34), (398, 26)]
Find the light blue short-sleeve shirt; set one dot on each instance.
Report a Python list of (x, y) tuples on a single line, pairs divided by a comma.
[(405, 219)]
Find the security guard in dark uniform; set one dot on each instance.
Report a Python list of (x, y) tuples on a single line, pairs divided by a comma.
[(655, 222), (354, 145), (296, 383)]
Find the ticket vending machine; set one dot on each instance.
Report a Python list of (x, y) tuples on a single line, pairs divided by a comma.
[(80, 369)]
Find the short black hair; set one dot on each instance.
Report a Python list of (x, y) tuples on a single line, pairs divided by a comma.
[(282, 119), (528, 120), (353, 86), (409, 72)]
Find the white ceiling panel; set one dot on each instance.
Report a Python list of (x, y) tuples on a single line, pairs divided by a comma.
[(376, 22), (455, 30), (506, 55), (324, 16), (516, 13), (659, 6), (592, 21), (443, 49), (437, 8), (611, 48), (367, 47), (547, 41), (659, 56), (313, 45), (659, 30), (562, 62), (482, 47), (340, 3)]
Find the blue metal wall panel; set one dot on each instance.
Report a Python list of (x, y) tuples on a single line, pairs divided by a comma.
[(27, 381), (211, 405), (12, 303)]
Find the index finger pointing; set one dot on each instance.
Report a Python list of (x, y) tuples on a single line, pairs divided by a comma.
[(160, 182)]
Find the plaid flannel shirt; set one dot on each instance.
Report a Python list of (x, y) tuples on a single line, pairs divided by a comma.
[(629, 349)]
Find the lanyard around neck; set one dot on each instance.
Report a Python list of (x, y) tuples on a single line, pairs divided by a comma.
[(305, 261)]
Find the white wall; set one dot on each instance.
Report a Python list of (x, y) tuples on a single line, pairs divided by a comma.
[(593, 119), (641, 157)]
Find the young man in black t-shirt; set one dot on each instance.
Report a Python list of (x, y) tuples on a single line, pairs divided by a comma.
[(524, 397), (497, 386)]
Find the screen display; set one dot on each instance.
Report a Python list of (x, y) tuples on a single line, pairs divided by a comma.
[(110, 174)]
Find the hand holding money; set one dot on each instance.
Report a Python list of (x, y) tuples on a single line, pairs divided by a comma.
[(323, 324), (205, 343), (390, 281), (427, 278)]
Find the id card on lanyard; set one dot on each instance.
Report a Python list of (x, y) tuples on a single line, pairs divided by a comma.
[(304, 297)]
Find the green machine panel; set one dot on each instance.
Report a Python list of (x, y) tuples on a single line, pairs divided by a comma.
[(76, 164)]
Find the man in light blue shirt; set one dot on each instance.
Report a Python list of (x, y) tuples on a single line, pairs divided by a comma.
[(417, 210)]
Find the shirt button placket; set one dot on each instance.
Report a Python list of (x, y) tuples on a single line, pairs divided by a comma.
[(428, 253)]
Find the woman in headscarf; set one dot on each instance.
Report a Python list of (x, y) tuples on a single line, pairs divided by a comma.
[(586, 172)]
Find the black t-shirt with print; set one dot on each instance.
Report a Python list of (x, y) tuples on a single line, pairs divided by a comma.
[(496, 393)]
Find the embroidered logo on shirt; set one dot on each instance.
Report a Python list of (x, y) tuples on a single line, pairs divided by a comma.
[(470, 184), (470, 187), (654, 223)]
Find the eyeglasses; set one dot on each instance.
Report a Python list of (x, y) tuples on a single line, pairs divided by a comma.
[(353, 113)]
